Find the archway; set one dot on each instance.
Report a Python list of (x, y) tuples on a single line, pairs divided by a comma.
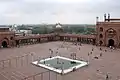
[(100, 43), (111, 42), (101, 36), (4, 44), (101, 29), (78, 39)]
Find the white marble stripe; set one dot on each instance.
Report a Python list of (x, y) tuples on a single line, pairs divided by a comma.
[(82, 63)]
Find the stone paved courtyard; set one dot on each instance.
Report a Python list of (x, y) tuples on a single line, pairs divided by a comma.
[(107, 63)]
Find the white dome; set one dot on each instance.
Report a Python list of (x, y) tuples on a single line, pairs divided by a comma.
[(58, 26)]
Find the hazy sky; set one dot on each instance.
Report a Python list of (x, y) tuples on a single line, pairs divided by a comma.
[(53, 11)]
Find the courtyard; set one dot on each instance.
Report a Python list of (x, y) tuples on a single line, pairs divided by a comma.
[(101, 62)]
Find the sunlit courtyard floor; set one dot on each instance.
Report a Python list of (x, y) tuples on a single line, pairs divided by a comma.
[(97, 69)]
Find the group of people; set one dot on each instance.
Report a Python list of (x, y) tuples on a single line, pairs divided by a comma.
[(96, 57), (73, 55), (107, 76), (52, 52)]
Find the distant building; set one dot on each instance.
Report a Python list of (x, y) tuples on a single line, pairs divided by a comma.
[(58, 28), (13, 28), (21, 32), (25, 31), (4, 29)]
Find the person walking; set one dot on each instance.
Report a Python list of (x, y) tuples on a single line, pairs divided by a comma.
[(101, 54), (107, 77)]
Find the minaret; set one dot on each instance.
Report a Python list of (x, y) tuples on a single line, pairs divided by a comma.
[(104, 17), (108, 17), (97, 18)]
